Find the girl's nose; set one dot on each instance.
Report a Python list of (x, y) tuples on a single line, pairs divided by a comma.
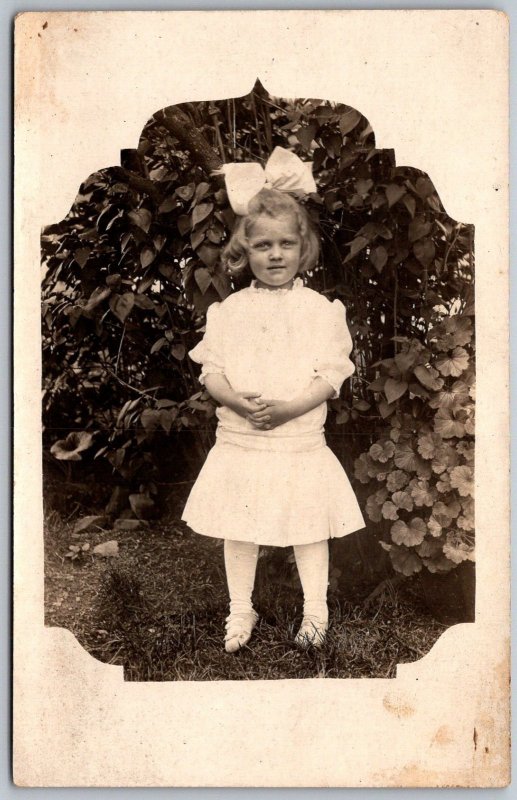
[(275, 252)]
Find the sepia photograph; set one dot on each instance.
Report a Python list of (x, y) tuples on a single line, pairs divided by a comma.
[(255, 291), (258, 328)]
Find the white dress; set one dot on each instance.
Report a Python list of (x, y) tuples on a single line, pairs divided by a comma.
[(283, 486)]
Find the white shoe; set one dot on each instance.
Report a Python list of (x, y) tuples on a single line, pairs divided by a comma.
[(312, 632), (239, 628)]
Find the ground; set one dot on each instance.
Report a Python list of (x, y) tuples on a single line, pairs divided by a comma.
[(158, 609)]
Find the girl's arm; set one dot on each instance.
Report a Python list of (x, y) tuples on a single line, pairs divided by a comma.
[(276, 412), (242, 403)]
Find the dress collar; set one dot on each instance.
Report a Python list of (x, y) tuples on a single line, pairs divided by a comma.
[(297, 284)]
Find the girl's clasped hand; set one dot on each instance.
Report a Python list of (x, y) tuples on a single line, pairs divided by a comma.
[(270, 478), (263, 414), (269, 413)]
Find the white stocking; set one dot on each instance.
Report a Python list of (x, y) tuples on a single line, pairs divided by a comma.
[(312, 561), (240, 559)]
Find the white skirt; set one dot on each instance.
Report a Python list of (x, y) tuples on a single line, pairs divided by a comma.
[(272, 497)]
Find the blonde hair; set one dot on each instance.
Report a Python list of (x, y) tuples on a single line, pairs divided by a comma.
[(274, 204)]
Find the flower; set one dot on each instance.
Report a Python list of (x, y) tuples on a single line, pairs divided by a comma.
[(69, 449)]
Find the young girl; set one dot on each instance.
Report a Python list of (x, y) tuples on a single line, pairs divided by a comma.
[(272, 355)]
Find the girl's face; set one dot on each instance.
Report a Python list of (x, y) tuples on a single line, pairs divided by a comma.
[(274, 247)]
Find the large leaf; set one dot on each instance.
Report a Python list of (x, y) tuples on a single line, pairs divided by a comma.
[(454, 364), (453, 396), (150, 419), (394, 389), (186, 192), (405, 561), (142, 218), (410, 204), (82, 255), (396, 480), (424, 251), (349, 120), (221, 282), (144, 301), (197, 236), (462, 479), (356, 245), (201, 212), (168, 205), (389, 510), (405, 458), (147, 256), (428, 444), (202, 190), (403, 499), (382, 451), (157, 346), (179, 351), (203, 279), (447, 425), (184, 224), (428, 377), (167, 417), (385, 409), (122, 305), (394, 193), (406, 360), (424, 187), (97, 296), (457, 551), (379, 257), (378, 384), (418, 228), (409, 535), (209, 254), (306, 135), (421, 494)]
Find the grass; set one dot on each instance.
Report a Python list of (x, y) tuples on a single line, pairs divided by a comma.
[(158, 609)]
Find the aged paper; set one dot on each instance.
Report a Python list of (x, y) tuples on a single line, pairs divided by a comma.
[(434, 86)]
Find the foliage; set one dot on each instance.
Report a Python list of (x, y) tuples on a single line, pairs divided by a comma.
[(129, 273), (420, 472)]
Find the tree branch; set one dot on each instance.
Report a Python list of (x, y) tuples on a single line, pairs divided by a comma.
[(181, 126), (137, 182)]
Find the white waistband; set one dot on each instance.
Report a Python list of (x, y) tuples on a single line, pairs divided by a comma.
[(272, 441)]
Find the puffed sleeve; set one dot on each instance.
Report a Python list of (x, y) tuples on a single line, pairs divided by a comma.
[(334, 347), (210, 350)]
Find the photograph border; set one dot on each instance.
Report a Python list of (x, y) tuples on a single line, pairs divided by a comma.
[(452, 213)]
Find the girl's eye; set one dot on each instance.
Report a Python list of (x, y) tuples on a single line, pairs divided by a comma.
[(261, 245), (288, 243)]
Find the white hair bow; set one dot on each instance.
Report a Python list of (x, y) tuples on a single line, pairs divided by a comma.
[(284, 171)]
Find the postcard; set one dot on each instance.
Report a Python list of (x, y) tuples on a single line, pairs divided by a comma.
[(261, 511)]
